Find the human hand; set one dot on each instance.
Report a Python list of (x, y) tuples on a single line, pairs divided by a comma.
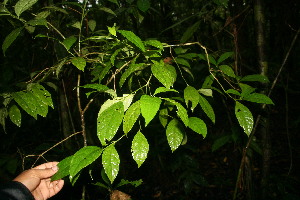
[(38, 180)]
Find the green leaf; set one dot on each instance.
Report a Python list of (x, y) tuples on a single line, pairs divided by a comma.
[(244, 116), (108, 10), (109, 121), (10, 39), (163, 117), (79, 62), (212, 60), (224, 56), (218, 143), (82, 158), (27, 102), (3, 115), (15, 115), (131, 115), (143, 5), (38, 22), (246, 89), (132, 68), (68, 43), (255, 77), (92, 24), (163, 89), (227, 70), (23, 5), (189, 32), (77, 25), (98, 87), (206, 92), (166, 74), (64, 169), (133, 38), (191, 94), (139, 148), (43, 96), (198, 125), (111, 162), (174, 134), (149, 107), (126, 182), (182, 114), (112, 30), (232, 91), (182, 61), (258, 98), (206, 107), (154, 43)]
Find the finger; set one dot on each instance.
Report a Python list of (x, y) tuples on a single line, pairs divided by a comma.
[(45, 173), (46, 165)]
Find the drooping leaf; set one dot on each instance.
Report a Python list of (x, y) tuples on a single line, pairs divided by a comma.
[(133, 38), (174, 134), (255, 77), (258, 98), (23, 5), (79, 62), (92, 24), (224, 56), (139, 148), (108, 121), (10, 39), (149, 107), (143, 5), (131, 115), (244, 116), (83, 157), (198, 125), (15, 115), (166, 74), (64, 169), (189, 32), (111, 162), (163, 116), (227, 70), (191, 94), (163, 89), (68, 43), (206, 107)]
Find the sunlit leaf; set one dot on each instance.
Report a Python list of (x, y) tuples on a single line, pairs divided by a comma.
[(139, 148), (244, 116), (131, 115), (149, 107), (111, 162), (166, 74), (175, 133), (198, 125)]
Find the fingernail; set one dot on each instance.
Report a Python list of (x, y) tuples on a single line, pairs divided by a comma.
[(55, 168)]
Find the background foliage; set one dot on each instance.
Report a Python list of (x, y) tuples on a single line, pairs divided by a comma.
[(158, 99)]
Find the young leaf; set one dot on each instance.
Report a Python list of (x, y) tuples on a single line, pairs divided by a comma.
[(111, 162), (258, 98), (206, 107), (23, 5), (79, 62), (198, 125), (15, 115), (10, 39), (64, 169), (166, 74), (84, 157), (149, 107), (224, 56), (244, 116), (163, 89), (68, 42), (191, 94), (174, 134), (108, 122), (143, 5), (131, 115), (139, 148), (133, 38), (227, 70), (255, 77)]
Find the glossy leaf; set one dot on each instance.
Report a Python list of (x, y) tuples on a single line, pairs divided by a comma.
[(24, 100), (139, 148), (108, 122), (23, 5), (255, 77), (10, 39), (133, 38), (175, 133), (84, 157), (244, 116), (131, 115), (163, 89), (258, 98), (191, 94), (206, 107), (166, 74), (149, 107), (198, 125), (79, 62), (15, 115), (64, 169), (143, 5), (111, 162), (68, 42)]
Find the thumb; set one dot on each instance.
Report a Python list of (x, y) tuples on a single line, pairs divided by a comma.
[(46, 173)]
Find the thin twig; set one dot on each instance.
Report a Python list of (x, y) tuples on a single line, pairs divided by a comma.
[(81, 111)]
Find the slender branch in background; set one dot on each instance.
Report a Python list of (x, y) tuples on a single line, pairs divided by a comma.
[(81, 112)]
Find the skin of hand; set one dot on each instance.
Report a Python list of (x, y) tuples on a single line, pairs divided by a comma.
[(38, 180)]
